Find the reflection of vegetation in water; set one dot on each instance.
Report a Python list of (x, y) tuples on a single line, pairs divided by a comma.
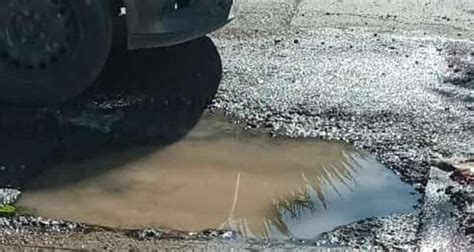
[(257, 184), (321, 179), (298, 203)]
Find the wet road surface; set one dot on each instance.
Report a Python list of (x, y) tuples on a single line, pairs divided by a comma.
[(220, 176), (393, 78), (390, 77)]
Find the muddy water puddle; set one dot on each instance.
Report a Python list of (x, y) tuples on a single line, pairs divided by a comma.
[(220, 176)]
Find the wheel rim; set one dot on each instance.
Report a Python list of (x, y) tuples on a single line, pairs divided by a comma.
[(34, 35)]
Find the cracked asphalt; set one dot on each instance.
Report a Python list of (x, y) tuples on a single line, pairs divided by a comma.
[(394, 78)]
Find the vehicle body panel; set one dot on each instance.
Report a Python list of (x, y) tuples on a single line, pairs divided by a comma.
[(156, 23)]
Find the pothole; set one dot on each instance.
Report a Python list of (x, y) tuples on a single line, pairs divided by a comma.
[(220, 176)]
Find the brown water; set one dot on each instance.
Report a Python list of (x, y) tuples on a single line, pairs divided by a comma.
[(222, 177)]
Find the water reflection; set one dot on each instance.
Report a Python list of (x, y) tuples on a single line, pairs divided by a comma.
[(222, 177)]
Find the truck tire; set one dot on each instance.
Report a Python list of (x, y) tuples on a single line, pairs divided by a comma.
[(52, 50)]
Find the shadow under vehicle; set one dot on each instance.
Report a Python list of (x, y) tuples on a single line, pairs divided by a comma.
[(152, 96)]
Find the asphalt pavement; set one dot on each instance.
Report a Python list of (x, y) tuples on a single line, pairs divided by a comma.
[(394, 78)]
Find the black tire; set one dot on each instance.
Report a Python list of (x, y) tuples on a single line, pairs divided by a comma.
[(52, 50)]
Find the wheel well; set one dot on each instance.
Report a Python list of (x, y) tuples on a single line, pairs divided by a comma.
[(117, 5)]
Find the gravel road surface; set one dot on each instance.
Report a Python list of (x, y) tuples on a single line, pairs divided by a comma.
[(392, 77)]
